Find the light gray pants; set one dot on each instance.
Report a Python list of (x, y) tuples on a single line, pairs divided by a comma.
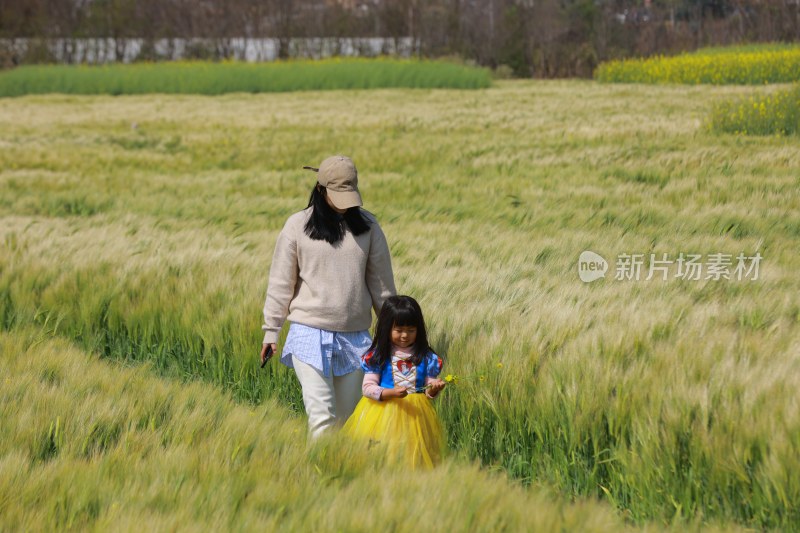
[(329, 401)]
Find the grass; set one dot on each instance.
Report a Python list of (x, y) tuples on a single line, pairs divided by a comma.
[(221, 78), (746, 65), (141, 228), (89, 446)]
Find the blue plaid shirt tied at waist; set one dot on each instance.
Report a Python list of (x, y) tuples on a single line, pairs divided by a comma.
[(325, 350)]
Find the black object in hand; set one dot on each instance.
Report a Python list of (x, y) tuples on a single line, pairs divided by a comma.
[(267, 356)]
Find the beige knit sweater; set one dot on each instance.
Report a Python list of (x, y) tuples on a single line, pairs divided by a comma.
[(324, 286)]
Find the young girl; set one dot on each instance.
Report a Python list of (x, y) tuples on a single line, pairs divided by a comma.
[(400, 372)]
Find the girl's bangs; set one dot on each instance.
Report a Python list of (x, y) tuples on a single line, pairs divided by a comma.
[(406, 316)]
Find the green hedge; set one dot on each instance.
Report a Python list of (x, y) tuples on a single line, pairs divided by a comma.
[(220, 78)]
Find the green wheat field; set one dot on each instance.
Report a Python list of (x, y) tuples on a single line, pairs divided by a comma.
[(136, 234)]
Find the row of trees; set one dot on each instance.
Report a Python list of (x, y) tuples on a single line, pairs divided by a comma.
[(543, 38)]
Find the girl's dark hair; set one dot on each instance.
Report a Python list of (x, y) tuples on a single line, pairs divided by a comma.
[(398, 311), (325, 224)]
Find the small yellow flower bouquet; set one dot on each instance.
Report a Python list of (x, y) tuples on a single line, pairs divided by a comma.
[(451, 378)]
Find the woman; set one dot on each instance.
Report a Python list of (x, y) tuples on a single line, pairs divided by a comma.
[(331, 266)]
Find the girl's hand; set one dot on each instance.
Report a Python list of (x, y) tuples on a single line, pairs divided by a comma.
[(436, 386), (397, 392)]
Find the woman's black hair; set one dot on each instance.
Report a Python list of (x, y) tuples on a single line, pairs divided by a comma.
[(325, 224), (398, 311)]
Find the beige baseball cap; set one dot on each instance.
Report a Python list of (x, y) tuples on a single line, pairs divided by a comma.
[(339, 176)]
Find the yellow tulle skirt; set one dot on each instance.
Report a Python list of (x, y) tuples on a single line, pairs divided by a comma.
[(408, 427)]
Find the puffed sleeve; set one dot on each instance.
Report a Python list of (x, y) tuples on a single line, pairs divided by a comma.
[(434, 365), (368, 364)]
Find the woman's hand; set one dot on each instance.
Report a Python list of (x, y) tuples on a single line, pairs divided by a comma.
[(436, 386), (397, 392), (264, 351)]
